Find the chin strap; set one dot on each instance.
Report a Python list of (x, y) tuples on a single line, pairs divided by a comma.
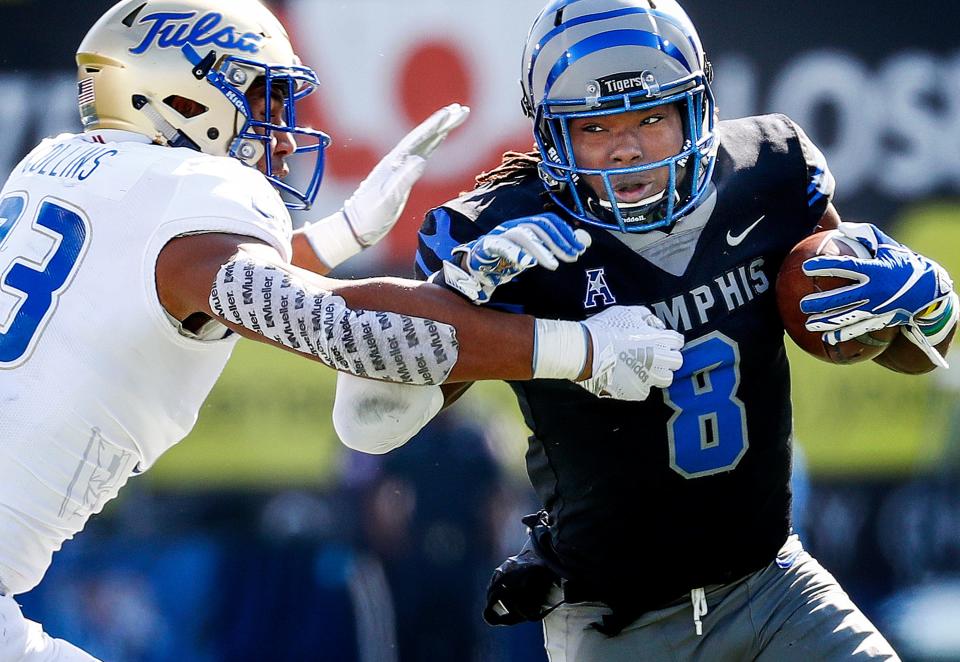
[(646, 202), (699, 599), (637, 207), (636, 212), (167, 134)]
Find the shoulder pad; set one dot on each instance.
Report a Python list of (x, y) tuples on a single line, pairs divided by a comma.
[(488, 206), (224, 195)]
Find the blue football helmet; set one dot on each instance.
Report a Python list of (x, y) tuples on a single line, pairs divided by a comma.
[(591, 58), (180, 72)]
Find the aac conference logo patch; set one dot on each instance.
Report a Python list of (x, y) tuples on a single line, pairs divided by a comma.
[(598, 292)]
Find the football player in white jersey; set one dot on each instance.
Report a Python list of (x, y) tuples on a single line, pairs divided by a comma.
[(133, 255)]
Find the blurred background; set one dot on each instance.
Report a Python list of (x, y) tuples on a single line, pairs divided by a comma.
[(260, 538)]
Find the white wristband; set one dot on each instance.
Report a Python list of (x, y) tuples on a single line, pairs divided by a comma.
[(332, 239), (559, 349)]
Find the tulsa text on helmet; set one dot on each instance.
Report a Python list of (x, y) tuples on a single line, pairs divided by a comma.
[(176, 29)]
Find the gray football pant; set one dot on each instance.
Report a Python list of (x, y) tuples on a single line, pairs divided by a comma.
[(792, 610)]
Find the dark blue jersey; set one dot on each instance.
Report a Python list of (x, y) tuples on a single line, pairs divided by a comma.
[(692, 486)]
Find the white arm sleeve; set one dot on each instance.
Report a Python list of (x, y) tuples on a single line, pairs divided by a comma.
[(276, 302), (377, 417)]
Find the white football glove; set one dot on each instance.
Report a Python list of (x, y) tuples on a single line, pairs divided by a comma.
[(509, 249), (373, 209), (377, 203), (632, 352)]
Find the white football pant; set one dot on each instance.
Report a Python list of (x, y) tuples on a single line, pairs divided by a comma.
[(25, 641)]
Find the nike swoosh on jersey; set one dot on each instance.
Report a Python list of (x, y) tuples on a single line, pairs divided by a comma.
[(736, 240)]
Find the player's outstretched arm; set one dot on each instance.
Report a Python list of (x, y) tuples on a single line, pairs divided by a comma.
[(373, 209), (392, 329)]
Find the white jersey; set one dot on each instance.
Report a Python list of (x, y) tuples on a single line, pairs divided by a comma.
[(96, 382)]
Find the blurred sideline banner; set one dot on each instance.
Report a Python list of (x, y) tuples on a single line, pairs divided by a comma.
[(878, 89)]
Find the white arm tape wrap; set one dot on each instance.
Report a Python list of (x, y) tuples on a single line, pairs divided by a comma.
[(559, 349), (281, 306), (332, 239), (377, 417)]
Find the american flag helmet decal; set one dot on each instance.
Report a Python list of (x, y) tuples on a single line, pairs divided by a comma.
[(85, 94)]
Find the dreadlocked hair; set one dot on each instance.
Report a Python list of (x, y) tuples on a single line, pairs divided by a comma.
[(514, 166)]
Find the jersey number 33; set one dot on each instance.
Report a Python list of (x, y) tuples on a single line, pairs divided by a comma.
[(41, 247)]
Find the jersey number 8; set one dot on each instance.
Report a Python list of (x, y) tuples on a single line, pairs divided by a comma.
[(708, 429)]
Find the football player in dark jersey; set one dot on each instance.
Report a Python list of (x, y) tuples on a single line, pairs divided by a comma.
[(683, 497)]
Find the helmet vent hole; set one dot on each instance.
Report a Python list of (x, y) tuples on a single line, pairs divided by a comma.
[(213, 133), (91, 70), (188, 108), (558, 18), (132, 16)]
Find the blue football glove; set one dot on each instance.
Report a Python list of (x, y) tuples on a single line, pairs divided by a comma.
[(482, 265), (893, 287)]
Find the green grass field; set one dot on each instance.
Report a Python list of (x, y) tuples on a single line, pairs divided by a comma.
[(266, 423)]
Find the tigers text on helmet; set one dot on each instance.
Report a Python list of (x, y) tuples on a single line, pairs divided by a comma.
[(594, 58), (180, 71)]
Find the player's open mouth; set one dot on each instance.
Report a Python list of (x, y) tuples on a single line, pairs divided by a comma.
[(633, 191)]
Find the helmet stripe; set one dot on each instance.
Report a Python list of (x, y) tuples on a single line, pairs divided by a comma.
[(612, 39), (592, 18), (557, 5)]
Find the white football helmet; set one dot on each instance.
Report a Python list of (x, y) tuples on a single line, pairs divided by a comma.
[(587, 58), (179, 72)]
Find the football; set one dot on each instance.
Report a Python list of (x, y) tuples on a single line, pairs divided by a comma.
[(793, 285)]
